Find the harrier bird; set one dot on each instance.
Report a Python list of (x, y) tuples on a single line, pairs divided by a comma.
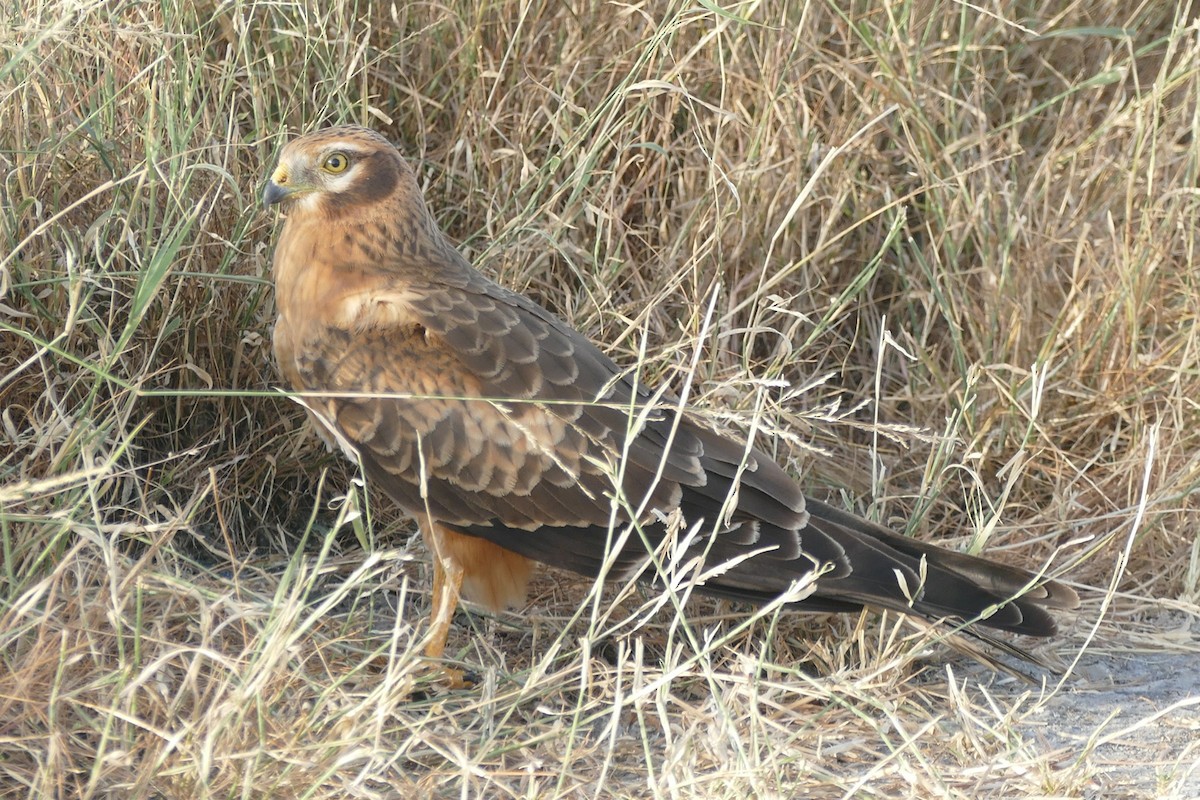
[(511, 438)]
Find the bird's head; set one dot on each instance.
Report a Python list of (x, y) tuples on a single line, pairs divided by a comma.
[(336, 171)]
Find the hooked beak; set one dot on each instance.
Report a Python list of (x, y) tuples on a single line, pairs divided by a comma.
[(274, 193), (279, 187)]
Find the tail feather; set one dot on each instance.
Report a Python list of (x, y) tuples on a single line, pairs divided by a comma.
[(872, 567), (991, 575)]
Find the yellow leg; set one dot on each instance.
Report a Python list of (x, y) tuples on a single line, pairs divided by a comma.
[(447, 587)]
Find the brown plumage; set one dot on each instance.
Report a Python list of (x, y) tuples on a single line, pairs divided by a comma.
[(509, 436)]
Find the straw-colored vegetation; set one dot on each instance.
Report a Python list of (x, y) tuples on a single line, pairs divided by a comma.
[(939, 255)]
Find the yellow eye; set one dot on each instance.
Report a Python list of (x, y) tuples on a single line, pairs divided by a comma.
[(335, 163)]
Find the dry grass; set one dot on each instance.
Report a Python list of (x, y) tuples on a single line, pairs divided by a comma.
[(951, 249)]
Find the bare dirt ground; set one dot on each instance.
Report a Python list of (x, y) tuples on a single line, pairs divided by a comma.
[(1127, 714)]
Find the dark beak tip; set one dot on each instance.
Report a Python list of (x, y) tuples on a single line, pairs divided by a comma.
[(273, 194)]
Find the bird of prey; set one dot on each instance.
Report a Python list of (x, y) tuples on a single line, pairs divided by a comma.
[(512, 438)]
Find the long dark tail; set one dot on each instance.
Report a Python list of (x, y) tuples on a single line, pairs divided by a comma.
[(955, 585), (877, 568)]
